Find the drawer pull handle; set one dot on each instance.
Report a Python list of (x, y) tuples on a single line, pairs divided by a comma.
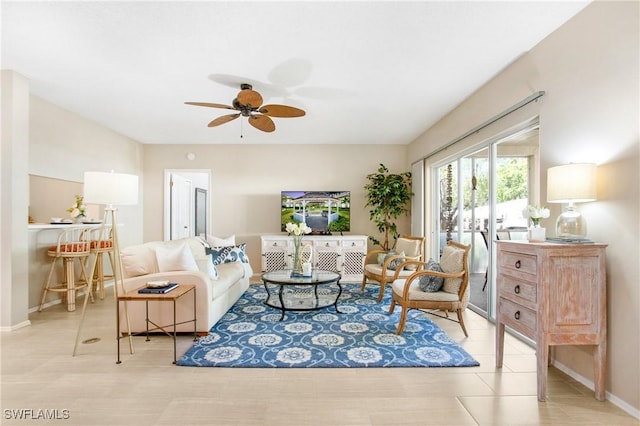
[(516, 289), (518, 264), (517, 315)]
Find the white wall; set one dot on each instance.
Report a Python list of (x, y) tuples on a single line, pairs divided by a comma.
[(247, 180), (14, 194), (64, 145), (590, 113)]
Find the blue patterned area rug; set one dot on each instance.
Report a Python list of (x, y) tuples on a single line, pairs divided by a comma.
[(362, 335)]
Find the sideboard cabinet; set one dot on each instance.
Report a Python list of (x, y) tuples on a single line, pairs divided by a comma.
[(554, 294), (341, 253)]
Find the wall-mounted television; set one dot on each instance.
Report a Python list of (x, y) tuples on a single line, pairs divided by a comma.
[(324, 212)]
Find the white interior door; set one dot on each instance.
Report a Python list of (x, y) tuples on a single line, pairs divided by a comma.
[(181, 210)]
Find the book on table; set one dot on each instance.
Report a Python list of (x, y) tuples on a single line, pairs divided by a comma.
[(156, 288)]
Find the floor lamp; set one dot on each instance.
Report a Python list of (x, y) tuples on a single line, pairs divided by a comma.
[(110, 190)]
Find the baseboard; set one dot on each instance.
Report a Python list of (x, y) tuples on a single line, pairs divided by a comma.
[(16, 326), (632, 411)]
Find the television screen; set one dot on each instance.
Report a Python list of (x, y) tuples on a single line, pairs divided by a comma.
[(323, 211)]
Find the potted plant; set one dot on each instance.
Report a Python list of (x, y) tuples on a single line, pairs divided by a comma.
[(389, 196)]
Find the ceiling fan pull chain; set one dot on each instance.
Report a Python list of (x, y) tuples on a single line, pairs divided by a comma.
[(241, 127)]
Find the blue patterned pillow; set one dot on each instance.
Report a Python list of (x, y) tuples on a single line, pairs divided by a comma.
[(429, 283), (395, 262), (228, 254)]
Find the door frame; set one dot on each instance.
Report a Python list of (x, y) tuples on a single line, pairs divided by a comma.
[(201, 178)]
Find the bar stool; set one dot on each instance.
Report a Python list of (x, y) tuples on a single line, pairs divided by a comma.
[(101, 243), (73, 245)]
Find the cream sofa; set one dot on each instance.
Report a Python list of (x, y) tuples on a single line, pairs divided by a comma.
[(184, 261)]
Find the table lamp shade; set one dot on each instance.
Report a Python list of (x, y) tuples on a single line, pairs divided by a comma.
[(110, 188), (571, 183)]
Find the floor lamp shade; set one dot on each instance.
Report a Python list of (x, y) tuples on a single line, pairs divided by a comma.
[(571, 183), (110, 188)]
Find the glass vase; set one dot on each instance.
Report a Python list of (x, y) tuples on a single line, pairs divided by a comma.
[(297, 259)]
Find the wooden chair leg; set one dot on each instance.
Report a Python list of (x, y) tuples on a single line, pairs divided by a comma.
[(381, 295), (403, 319), (45, 288), (461, 321), (392, 307), (364, 282)]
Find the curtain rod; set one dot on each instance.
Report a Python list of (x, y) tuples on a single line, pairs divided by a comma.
[(490, 121)]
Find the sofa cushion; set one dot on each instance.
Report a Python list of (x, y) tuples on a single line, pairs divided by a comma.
[(228, 275), (206, 266), (138, 260), (221, 242), (228, 254), (175, 258)]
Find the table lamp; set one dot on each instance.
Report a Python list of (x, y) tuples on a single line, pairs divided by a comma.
[(109, 189), (571, 183)]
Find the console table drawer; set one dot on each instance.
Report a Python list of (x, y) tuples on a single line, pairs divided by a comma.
[(271, 244), (517, 317), (355, 244), (518, 262), (518, 290)]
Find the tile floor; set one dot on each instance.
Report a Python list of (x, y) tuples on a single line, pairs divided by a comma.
[(41, 378)]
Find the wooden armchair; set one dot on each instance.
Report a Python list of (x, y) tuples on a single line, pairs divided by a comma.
[(453, 296), (385, 271)]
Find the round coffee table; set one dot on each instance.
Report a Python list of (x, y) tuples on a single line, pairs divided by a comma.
[(295, 293)]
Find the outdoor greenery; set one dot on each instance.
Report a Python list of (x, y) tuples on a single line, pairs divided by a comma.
[(512, 176), (389, 197)]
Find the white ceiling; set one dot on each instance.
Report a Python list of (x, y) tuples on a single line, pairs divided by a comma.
[(365, 72)]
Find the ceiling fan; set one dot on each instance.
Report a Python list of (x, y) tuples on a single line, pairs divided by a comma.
[(248, 103)]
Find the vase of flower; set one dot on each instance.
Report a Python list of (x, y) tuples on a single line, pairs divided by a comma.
[(537, 233), (297, 231), (536, 214), (78, 210)]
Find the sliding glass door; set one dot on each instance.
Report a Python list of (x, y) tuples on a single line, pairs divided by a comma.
[(481, 197)]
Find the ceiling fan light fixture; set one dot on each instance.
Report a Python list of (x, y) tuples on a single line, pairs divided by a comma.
[(248, 103)]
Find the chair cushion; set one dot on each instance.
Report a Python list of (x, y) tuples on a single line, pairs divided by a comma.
[(101, 244), (429, 283), (375, 269), (395, 262), (72, 247), (451, 263), (411, 248), (416, 294), (178, 258)]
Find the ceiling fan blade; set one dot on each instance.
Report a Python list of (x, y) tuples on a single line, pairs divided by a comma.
[(262, 122), (223, 119), (281, 111), (209, 104), (251, 98)]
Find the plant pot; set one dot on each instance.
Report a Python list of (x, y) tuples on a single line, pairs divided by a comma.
[(537, 234)]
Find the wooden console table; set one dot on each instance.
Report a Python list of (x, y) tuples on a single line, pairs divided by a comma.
[(555, 294)]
